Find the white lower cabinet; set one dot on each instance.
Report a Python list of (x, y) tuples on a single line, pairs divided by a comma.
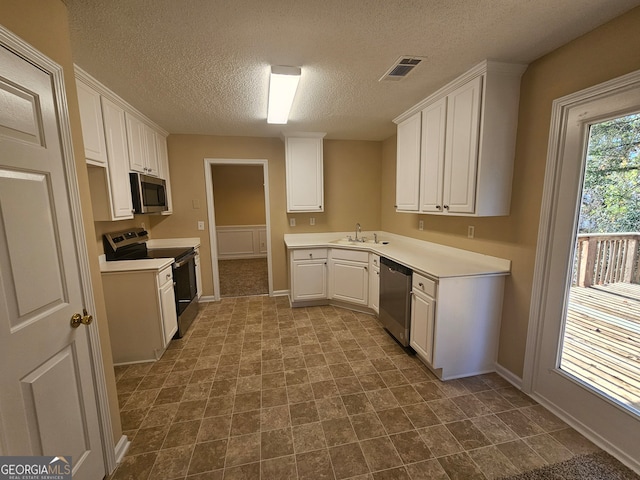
[(141, 313), (374, 282), (349, 276), (455, 323), (198, 274), (423, 310), (168, 304), (308, 274)]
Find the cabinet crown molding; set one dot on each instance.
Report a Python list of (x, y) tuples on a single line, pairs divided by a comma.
[(484, 67), (87, 79)]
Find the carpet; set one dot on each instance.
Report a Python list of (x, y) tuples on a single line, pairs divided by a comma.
[(242, 277), (592, 466)]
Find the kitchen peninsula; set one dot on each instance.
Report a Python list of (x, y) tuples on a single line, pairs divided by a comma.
[(456, 295)]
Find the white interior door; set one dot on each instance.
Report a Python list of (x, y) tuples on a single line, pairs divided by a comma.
[(47, 390), (607, 423)]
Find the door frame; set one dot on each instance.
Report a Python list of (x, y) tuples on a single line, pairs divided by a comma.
[(213, 240), (542, 285), (26, 51)]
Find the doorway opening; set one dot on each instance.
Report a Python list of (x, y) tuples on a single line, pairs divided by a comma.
[(239, 227), (601, 339)]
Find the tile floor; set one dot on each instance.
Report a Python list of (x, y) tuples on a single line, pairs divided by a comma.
[(257, 390)]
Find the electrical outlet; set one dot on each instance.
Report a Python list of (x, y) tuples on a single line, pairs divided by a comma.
[(421, 225), (200, 225), (471, 231), (292, 222), (312, 221)]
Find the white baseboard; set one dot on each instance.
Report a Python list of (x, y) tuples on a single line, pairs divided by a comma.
[(121, 448), (206, 299), (632, 463), (509, 376), (280, 293)]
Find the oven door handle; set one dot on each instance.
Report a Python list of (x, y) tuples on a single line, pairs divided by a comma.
[(185, 260)]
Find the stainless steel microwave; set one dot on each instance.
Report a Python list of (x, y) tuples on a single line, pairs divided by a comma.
[(149, 194)]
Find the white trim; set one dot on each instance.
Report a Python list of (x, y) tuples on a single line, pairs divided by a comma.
[(280, 293), (509, 376), (208, 163), (121, 448), (207, 299), (563, 136), (547, 211), (25, 50), (593, 436)]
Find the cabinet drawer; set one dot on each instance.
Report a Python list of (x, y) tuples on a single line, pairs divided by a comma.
[(424, 284), (375, 260), (353, 255), (310, 254), (165, 276)]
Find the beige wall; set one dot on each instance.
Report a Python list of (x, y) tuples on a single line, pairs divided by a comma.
[(607, 52), (238, 194), (44, 25), (352, 186)]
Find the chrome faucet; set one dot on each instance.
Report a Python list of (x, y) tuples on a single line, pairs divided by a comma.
[(358, 230)]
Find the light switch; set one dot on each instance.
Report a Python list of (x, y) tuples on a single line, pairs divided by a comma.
[(292, 222)]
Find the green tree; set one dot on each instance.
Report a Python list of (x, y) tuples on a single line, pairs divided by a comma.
[(611, 191)]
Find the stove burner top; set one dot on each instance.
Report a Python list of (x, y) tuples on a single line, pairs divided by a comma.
[(132, 245)]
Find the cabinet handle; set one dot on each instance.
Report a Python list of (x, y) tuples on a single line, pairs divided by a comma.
[(438, 207), (311, 255), (366, 269), (421, 285), (168, 276), (447, 207)]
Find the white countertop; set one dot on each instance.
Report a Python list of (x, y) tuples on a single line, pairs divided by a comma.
[(155, 264), (423, 257)]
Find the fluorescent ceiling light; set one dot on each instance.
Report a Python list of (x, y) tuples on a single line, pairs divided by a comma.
[(282, 88)]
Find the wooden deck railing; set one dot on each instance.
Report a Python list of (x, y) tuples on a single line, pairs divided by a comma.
[(607, 258)]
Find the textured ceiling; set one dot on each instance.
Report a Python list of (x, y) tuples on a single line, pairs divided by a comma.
[(202, 66)]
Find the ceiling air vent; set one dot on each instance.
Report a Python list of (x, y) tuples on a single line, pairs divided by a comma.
[(401, 68)]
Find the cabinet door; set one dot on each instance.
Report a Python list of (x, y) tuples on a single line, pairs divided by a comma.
[(422, 325), (95, 150), (304, 170), (434, 119), (118, 153), (408, 164), (137, 148), (163, 168), (374, 289), (198, 274), (309, 280), (169, 314), (461, 153), (349, 281), (152, 151)]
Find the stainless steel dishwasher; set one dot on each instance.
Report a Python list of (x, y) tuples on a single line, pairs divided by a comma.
[(395, 299)]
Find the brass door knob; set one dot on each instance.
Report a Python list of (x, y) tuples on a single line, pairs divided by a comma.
[(84, 319)]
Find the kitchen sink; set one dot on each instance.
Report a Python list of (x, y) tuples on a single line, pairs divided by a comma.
[(353, 243)]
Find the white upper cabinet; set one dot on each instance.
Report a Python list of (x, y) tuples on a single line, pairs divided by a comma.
[(143, 156), (304, 172), (408, 166), (163, 168), (95, 150), (434, 122), (466, 144), (116, 138), (461, 148)]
